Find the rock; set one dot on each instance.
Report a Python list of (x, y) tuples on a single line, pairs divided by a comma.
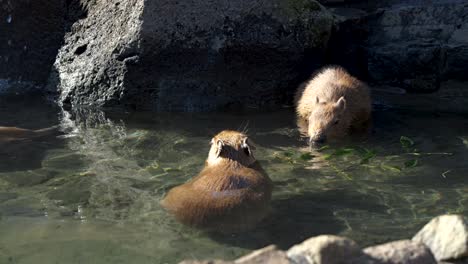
[(397, 252), (463, 261), (30, 36), (412, 45), (326, 249), (205, 262), (198, 56), (269, 254), (91, 64), (446, 236), (347, 45)]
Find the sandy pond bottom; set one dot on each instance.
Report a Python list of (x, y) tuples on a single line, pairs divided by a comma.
[(93, 196)]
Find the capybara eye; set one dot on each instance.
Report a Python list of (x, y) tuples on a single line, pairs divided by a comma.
[(336, 122)]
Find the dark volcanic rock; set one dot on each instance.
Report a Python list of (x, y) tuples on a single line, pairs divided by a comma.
[(416, 47), (190, 56), (30, 36)]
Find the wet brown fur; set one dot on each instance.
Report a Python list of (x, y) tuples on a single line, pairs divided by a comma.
[(328, 86), (231, 193), (11, 134)]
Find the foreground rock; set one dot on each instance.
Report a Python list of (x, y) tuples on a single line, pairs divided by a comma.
[(270, 255), (166, 55), (325, 249), (398, 252), (446, 236)]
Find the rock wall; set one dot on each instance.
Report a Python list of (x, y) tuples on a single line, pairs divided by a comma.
[(417, 47), (226, 55), (31, 33), (91, 65), (413, 53), (190, 56)]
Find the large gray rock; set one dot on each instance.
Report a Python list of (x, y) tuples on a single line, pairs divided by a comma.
[(190, 56), (324, 249), (397, 252), (446, 236), (270, 255), (91, 65)]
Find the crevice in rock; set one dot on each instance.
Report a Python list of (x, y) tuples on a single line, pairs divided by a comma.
[(81, 49)]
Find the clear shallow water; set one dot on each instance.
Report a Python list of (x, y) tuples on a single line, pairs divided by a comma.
[(93, 196)]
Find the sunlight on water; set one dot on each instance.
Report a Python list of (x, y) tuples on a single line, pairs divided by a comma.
[(94, 193)]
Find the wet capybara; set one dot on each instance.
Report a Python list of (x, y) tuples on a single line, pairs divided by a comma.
[(231, 193), (11, 134), (332, 104)]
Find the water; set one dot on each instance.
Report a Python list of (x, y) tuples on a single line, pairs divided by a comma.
[(93, 195)]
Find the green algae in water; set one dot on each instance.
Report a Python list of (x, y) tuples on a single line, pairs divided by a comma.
[(406, 142), (95, 197)]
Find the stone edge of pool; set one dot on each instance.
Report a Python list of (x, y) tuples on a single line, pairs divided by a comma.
[(443, 240)]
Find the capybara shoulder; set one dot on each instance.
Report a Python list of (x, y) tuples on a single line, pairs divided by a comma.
[(10, 134), (232, 192), (333, 102)]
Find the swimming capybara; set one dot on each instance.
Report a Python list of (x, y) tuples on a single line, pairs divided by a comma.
[(11, 134), (332, 103), (231, 193)]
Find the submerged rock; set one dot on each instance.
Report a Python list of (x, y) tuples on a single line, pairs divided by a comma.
[(446, 236), (397, 252), (206, 55), (325, 249)]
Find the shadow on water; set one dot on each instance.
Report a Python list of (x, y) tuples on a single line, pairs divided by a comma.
[(294, 219), (113, 170), (23, 154)]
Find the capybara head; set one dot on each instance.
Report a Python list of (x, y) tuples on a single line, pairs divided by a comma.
[(231, 145), (326, 120)]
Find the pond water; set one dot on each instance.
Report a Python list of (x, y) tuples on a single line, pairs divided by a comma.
[(92, 195)]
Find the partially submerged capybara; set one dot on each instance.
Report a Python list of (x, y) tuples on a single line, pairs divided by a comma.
[(11, 134), (231, 193), (332, 103)]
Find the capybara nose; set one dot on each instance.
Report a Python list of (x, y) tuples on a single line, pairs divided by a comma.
[(318, 140)]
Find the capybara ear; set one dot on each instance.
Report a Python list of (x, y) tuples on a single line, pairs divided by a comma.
[(247, 146), (219, 146), (341, 104)]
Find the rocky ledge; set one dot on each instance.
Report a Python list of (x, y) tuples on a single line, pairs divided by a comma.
[(194, 56), (443, 240), (213, 55)]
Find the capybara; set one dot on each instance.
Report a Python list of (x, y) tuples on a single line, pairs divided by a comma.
[(11, 134), (231, 193), (333, 103)]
